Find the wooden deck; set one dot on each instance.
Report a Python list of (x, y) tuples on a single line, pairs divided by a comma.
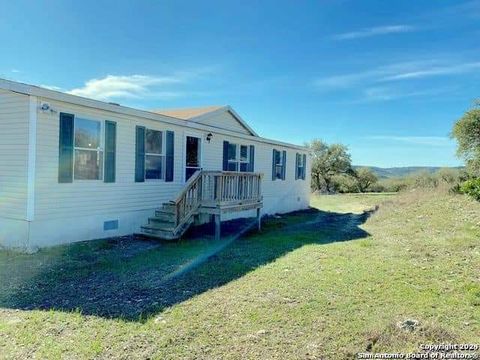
[(220, 192), (208, 192)]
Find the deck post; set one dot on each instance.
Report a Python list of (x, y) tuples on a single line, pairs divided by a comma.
[(218, 223), (259, 220)]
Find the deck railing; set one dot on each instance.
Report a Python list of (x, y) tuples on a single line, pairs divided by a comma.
[(222, 188), (216, 189)]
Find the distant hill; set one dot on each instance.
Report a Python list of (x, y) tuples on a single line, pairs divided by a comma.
[(395, 172)]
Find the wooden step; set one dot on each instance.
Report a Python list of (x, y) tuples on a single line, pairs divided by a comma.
[(168, 207), (161, 222), (165, 215), (151, 230), (160, 226), (159, 234)]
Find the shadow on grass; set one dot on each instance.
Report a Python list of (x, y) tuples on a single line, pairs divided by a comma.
[(133, 278)]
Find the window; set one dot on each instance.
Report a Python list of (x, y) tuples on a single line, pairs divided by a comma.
[(88, 163), (238, 157), (278, 164), (300, 168), (154, 155)]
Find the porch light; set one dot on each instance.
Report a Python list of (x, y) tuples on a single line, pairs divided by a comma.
[(209, 137)]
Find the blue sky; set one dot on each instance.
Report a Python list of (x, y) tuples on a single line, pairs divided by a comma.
[(386, 78)]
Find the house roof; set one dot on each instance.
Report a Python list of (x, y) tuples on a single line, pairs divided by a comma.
[(201, 113), (187, 113), (33, 90)]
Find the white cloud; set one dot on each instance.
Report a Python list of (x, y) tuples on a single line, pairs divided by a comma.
[(383, 83), (347, 80), (375, 31), (127, 87), (16, 71), (387, 93), (435, 71), (378, 74), (415, 140)]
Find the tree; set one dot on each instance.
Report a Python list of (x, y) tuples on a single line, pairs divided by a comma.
[(365, 179), (328, 161), (467, 133)]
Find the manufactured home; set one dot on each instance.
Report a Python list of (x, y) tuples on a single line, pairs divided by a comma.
[(74, 169)]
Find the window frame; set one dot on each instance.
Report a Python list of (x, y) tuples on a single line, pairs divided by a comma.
[(301, 164), (238, 153), (100, 149), (162, 155), (283, 166)]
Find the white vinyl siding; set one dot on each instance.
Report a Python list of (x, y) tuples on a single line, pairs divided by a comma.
[(14, 123), (82, 198), (224, 120), (66, 212), (54, 200)]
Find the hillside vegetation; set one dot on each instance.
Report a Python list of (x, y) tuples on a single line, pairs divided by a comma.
[(402, 171), (326, 283)]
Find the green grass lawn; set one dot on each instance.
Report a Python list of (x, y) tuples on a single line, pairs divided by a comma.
[(326, 283)]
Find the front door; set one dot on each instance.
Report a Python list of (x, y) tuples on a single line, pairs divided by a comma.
[(192, 155)]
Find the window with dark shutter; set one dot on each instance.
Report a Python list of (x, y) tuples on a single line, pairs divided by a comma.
[(297, 173), (300, 166), (169, 158), (279, 165), (65, 158), (110, 151), (304, 166), (140, 154), (237, 157), (225, 156), (251, 164), (154, 155)]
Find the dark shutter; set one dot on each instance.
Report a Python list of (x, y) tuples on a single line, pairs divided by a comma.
[(274, 175), (110, 151), (225, 156), (284, 167), (297, 165), (65, 148), (304, 166), (251, 167), (169, 163), (140, 154)]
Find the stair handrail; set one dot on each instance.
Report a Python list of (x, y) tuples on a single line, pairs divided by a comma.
[(188, 185), (191, 182)]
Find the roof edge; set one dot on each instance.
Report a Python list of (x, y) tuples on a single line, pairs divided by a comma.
[(34, 90)]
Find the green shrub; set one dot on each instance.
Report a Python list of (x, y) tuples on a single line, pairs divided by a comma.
[(471, 188), (392, 184), (345, 184)]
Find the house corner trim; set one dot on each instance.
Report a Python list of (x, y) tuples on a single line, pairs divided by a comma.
[(32, 154)]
